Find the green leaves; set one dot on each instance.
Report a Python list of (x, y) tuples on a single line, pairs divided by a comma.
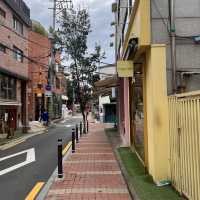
[(72, 36)]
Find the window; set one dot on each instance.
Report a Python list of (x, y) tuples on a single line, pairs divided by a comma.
[(17, 54), (17, 25), (7, 87), (2, 48), (2, 13)]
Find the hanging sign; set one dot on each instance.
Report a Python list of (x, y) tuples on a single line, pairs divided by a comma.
[(125, 68)]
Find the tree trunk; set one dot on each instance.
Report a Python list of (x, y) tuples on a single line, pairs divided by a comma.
[(84, 121)]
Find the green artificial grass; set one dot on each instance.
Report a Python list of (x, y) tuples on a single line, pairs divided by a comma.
[(112, 132), (141, 182)]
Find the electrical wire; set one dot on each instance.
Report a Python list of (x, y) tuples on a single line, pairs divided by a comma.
[(28, 58), (167, 27), (162, 18), (25, 38)]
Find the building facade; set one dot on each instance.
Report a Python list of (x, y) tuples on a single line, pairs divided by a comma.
[(39, 52), (107, 99), (160, 39), (43, 95), (14, 25)]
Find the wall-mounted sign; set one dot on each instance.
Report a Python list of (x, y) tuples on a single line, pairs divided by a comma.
[(48, 87), (48, 93), (125, 68)]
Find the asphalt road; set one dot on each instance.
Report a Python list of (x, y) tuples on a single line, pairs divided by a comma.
[(17, 184)]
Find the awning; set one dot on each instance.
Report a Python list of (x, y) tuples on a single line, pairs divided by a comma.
[(10, 103), (108, 82), (104, 87), (64, 97), (13, 74)]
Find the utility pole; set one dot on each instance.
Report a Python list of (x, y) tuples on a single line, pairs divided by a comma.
[(58, 7), (173, 43)]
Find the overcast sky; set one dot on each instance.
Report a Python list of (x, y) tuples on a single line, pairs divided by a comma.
[(100, 15)]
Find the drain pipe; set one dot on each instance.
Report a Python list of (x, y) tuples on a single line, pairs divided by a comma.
[(173, 43)]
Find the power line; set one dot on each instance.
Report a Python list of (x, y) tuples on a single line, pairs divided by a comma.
[(25, 38), (28, 58), (162, 18)]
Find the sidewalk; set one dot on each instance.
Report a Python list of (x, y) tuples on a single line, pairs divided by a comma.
[(92, 173)]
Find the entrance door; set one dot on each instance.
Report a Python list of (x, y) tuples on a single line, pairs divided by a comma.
[(12, 118), (132, 111)]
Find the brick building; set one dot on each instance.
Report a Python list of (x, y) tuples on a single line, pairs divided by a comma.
[(40, 98), (39, 51), (14, 24)]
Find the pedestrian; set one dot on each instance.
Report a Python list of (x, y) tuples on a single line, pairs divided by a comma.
[(45, 117)]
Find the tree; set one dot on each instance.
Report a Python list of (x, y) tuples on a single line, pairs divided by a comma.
[(73, 35), (38, 28)]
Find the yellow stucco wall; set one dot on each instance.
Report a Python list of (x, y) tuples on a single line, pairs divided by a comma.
[(139, 25), (157, 112)]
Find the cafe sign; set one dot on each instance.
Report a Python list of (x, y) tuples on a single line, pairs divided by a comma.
[(125, 68)]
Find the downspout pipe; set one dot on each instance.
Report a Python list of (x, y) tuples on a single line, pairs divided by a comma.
[(173, 44)]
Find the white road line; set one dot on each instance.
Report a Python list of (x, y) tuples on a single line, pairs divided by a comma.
[(68, 125), (30, 157)]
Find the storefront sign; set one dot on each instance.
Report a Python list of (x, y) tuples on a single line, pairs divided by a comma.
[(125, 68), (48, 93)]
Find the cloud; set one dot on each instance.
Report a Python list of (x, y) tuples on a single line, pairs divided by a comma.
[(100, 15)]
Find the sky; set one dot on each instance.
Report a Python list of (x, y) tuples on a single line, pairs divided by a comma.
[(100, 16)]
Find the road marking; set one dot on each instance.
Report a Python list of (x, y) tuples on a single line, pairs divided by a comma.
[(65, 150), (68, 125), (30, 157), (35, 191)]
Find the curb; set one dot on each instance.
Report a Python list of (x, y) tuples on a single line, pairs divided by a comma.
[(130, 187), (22, 138), (126, 177), (45, 190)]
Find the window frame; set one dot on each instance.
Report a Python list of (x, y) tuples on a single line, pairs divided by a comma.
[(2, 48), (2, 13), (18, 54), (18, 25), (8, 87)]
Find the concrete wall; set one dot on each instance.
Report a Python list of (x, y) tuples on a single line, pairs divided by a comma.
[(187, 24), (107, 70)]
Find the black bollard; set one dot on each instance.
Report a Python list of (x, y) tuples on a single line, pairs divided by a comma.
[(84, 128), (60, 167), (77, 140), (73, 140), (80, 129), (87, 126)]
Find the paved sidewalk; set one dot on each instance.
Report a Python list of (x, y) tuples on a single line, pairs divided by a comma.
[(92, 173)]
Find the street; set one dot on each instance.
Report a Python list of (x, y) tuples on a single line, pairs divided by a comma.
[(16, 184)]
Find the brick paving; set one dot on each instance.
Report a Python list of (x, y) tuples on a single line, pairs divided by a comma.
[(92, 173)]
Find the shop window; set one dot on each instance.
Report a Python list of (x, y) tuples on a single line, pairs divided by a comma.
[(2, 13), (138, 114), (17, 25), (7, 87), (18, 54)]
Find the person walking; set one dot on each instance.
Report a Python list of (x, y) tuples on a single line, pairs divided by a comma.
[(45, 117)]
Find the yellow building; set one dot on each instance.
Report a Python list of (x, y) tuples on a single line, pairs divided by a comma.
[(147, 96)]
